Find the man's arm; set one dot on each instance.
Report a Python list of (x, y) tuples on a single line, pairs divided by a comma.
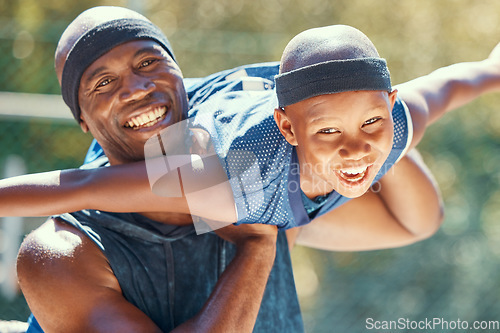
[(429, 97), (70, 286), (407, 208), (235, 301)]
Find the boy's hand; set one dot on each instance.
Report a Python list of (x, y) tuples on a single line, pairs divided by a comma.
[(493, 60), (495, 53)]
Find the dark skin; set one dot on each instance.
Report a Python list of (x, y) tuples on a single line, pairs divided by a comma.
[(129, 83), (339, 131)]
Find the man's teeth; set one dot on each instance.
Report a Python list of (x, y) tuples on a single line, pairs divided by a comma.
[(147, 119)]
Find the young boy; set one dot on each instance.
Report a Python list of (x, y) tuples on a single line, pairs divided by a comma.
[(338, 127)]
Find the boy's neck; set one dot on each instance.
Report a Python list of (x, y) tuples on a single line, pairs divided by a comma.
[(311, 184)]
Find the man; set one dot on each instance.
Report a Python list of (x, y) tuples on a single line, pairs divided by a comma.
[(98, 271), (140, 275)]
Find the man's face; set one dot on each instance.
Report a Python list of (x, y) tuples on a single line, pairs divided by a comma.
[(129, 94), (342, 140)]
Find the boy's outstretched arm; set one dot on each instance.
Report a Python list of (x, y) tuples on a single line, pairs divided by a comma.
[(429, 97), (119, 188), (406, 208), (44, 194)]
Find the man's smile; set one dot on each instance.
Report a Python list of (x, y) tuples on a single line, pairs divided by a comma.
[(147, 118)]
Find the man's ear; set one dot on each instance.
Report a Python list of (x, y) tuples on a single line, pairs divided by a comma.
[(285, 126), (83, 124)]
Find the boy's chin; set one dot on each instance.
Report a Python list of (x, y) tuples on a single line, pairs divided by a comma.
[(353, 191), (352, 194)]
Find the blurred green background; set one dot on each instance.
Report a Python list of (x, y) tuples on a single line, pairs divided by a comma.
[(454, 275)]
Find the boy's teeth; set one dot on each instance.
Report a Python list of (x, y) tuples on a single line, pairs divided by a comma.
[(353, 175), (354, 171)]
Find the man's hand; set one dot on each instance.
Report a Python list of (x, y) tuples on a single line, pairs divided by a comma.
[(242, 233)]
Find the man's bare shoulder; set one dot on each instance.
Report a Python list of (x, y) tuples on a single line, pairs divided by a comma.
[(55, 243), (58, 249), (63, 275)]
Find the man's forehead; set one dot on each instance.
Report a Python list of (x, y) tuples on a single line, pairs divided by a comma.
[(122, 54)]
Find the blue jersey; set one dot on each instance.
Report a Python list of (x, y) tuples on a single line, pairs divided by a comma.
[(261, 165)]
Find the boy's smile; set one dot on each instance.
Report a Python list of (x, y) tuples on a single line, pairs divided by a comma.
[(342, 139)]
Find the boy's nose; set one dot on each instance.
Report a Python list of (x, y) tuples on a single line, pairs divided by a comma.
[(355, 149), (136, 87)]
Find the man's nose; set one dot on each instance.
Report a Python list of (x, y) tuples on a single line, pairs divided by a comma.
[(135, 87), (354, 148)]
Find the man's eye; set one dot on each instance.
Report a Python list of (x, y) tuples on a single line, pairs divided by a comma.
[(102, 84), (372, 121), (328, 131), (146, 63)]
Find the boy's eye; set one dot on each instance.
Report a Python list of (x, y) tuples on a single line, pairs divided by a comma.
[(372, 120), (328, 131)]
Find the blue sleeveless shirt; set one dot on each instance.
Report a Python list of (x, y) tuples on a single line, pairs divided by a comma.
[(168, 272)]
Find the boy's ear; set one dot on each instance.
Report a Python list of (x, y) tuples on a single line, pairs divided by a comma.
[(392, 97), (285, 126)]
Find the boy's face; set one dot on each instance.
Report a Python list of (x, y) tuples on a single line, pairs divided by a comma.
[(342, 139), (129, 94)]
